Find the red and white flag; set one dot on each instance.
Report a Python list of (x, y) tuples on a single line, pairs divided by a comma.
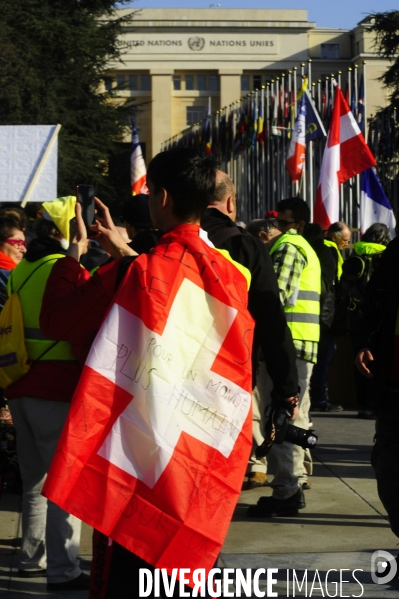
[(159, 433), (297, 151), (138, 172), (346, 154)]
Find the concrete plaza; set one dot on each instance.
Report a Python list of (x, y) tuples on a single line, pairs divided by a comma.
[(340, 528)]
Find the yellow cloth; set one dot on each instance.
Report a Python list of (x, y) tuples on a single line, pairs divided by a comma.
[(61, 211)]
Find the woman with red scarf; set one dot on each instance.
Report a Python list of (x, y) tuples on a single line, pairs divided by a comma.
[(12, 250)]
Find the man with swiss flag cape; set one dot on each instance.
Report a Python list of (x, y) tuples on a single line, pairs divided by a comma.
[(156, 445)]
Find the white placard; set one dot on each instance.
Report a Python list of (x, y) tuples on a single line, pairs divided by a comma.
[(21, 150)]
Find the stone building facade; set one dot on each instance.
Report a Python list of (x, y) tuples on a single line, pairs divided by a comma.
[(176, 61)]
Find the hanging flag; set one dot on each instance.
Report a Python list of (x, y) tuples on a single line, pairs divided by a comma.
[(157, 440), (259, 127), (360, 106), (346, 154), (138, 172), (297, 149), (374, 204), (347, 93), (353, 101), (323, 105), (314, 126)]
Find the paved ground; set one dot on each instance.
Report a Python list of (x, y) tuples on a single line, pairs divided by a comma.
[(340, 528)]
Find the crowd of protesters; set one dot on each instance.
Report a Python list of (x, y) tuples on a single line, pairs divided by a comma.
[(307, 288)]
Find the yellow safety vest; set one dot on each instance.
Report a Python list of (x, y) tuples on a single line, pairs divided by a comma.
[(31, 296), (332, 244), (303, 318)]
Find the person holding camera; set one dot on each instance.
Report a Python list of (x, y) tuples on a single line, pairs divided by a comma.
[(299, 280), (272, 336)]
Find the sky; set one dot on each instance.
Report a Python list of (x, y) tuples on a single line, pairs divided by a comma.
[(342, 14)]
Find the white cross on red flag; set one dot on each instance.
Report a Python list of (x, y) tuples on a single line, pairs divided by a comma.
[(346, 154), (158, 437)]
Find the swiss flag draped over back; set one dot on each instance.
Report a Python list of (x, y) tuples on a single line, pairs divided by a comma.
[(346, 154), (156, 444)]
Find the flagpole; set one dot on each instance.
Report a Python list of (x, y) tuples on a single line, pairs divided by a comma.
[(295, 114), (351, 180), (278, 178), (364, 99), (311, 187), (283, 138), (262, 150), (356, 208), (304, 166), (269, 199)]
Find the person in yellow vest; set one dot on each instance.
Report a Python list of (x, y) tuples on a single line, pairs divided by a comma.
[(39, 403), (338, 238), (299, 280)]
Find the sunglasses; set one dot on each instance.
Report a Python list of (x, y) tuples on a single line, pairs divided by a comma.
[(18, 243)]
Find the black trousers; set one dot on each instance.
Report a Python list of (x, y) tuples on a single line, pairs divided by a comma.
[(385, 457), (123, 581)]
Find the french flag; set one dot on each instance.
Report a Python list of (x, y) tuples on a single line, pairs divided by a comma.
[(374, 204), (297, 150), (346, 155), (138, 172)]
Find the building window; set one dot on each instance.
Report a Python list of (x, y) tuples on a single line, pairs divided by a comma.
[(189, 82), (133, 82), (145, 83), (214, 83), (176, 82), (108, 83), (329, 50), (195, 114), (257, 81), (245, 83), (120, 81), (201, 82)]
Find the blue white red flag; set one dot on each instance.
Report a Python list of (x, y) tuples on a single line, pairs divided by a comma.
[(297, 150), (138, 172), (374, 204)]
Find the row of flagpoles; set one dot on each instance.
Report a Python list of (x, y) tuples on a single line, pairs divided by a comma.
[(273, 144)]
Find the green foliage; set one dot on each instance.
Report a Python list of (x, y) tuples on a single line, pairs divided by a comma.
[(386, 27), (53, 55)]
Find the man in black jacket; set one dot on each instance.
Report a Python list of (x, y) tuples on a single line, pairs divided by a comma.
[(272, 334), (379, 359)]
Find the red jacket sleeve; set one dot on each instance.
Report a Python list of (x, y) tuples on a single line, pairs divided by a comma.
[(73, 308)]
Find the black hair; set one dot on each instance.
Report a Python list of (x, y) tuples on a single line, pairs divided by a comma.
[(7, 227), (313, 232), (377, 233), (32, 210), (299, 208), (46, 228), (188, 177), (261, 224)]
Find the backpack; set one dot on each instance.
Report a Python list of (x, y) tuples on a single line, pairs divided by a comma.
[(14, 362), (356, 273)]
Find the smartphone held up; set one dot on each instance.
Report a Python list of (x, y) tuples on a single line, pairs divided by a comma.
[(85, 197)]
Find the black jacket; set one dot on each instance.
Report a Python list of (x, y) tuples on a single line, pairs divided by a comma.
[(377, 327), (272, 334)]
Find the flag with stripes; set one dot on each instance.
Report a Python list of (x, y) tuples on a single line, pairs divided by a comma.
[(346, 154), (138, 172)]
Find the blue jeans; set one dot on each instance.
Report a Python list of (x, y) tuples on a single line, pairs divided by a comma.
[(318, 381)]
